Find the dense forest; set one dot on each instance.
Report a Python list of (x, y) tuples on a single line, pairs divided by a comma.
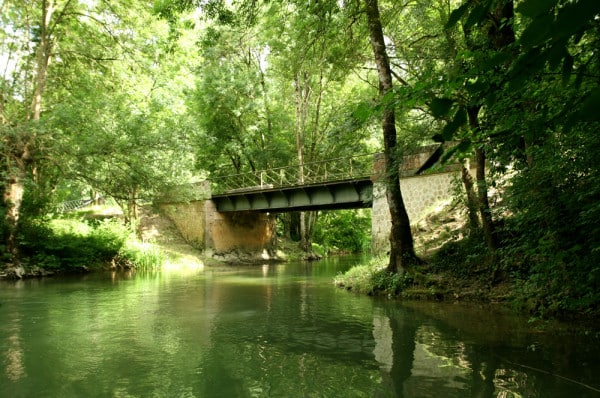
[(128, 98)]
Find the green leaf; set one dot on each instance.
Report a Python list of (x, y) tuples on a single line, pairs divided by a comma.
[(567, 68), (525, 66), (432, 160), (438, 138), (456, 15), (556, 53), (574, 17), (533, 8), (363, 112), (459, 120), (463, 147), (478, 14), (477, 87), (590, 106), (538, 31), (440, 106)]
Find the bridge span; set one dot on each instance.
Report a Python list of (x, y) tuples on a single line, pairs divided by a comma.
[(342, 183), (349, 194), (234, 215)]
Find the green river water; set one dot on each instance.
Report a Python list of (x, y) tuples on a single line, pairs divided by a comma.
[(278, 330)]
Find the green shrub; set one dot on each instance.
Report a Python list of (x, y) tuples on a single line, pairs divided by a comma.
[(69, 243)]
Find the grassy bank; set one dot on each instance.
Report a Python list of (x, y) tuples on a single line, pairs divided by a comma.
[(82, 241), (458, 267)]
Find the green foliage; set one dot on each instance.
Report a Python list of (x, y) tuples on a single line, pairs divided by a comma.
[(552, 242), (140, 255), (360, 279), (71, 244), (343, 230), (467, 258), (132, 104), (373, 278), (538, 119)]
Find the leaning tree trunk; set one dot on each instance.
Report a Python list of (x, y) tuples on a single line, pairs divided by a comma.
[(402, 253)]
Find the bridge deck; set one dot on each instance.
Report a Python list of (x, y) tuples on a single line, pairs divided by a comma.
[(345, 194)]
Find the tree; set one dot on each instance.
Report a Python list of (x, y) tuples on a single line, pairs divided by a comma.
[(129, 136), (531, 81), (276, 97), (32, 33), (89, 94), (402, 254)]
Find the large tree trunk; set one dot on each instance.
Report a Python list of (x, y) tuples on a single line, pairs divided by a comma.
[(402, 253), (21, 156)]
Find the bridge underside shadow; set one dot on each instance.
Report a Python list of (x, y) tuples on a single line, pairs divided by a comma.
[(349, 194)]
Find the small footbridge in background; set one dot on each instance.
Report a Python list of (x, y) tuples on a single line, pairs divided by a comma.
[(340, 183)]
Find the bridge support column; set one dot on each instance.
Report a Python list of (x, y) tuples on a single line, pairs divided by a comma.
[(240, 236), (233, 237)]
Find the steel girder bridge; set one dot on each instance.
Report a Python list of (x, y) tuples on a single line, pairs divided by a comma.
[(341, 183)]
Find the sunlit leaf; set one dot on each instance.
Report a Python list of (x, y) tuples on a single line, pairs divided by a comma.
[(363, 112)]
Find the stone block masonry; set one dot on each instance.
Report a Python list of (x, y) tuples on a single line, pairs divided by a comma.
[(420, 193), (231, 237)]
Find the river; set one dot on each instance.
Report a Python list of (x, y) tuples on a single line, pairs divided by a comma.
[(278, 330)]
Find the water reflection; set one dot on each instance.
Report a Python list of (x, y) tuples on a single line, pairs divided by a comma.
[(421, 356), (15, 369), (274, 330)]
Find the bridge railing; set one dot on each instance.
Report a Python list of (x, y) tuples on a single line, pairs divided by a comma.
[(338, 169)]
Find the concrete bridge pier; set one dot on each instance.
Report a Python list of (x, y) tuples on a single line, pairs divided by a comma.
[(243, 236)]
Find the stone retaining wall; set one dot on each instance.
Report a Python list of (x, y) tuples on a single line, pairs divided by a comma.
[(420, 193)]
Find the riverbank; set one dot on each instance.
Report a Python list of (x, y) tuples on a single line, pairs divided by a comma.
[(458, 267), (427, 283), (455, 267)]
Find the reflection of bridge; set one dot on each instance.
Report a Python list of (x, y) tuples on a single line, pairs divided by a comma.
[(340, 183)]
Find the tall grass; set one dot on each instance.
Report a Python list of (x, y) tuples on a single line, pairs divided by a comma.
[(141, 255), (368, 278)]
